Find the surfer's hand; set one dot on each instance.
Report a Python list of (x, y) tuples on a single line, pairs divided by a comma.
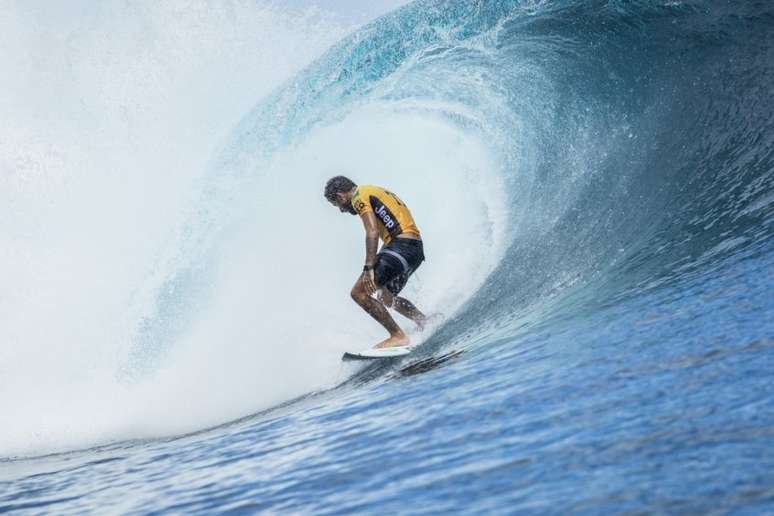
[(368, 282)]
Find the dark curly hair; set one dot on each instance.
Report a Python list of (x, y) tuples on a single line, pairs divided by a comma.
[(338, 184)]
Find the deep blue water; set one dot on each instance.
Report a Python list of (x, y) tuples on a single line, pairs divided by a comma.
[(619, 356)]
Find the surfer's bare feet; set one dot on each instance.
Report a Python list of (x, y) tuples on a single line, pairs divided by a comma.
[(396, 340)]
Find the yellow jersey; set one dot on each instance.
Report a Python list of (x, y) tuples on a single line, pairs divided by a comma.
[(393, 215)]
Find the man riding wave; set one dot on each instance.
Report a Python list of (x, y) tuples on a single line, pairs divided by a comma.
[(385, 273)]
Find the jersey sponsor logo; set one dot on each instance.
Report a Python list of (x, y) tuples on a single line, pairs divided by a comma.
[(385, 217)]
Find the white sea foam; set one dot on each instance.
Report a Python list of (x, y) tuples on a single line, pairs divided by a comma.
[(110, 113), (108, 132)]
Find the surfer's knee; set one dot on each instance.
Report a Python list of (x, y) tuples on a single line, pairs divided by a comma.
[(358, 294)]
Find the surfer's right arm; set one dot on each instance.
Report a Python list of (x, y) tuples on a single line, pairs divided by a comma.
[(372, 242)]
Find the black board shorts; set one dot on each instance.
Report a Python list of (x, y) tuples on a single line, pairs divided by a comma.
[(396, 262)]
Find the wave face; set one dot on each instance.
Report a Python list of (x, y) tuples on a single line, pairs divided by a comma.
[(594, 184)]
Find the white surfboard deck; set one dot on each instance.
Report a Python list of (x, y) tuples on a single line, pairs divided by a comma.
[(377, 353)]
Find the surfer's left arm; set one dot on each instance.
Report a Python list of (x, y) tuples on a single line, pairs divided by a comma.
[(372, 242)]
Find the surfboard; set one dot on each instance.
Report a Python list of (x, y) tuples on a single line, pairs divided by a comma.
[(377, 353)]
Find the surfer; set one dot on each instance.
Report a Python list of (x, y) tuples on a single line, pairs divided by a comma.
[(385, 273)]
